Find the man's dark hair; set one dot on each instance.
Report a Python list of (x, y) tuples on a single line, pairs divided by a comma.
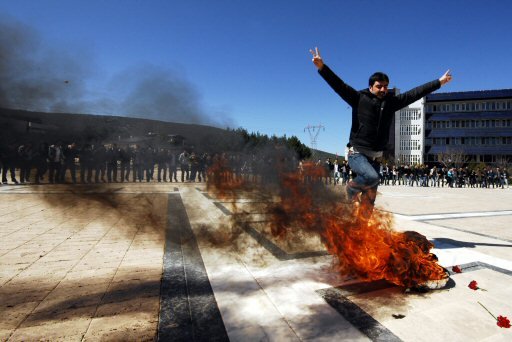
[(378, 77)]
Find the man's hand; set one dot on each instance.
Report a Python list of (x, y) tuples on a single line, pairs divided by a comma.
[(317, 60), (447, 77)]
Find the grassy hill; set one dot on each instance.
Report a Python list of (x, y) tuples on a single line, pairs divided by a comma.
[(21, 126)]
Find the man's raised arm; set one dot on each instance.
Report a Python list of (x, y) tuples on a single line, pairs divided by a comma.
[(347, 93), (417, 93)]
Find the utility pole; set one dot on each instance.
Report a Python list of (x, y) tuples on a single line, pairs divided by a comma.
[(313, 131)]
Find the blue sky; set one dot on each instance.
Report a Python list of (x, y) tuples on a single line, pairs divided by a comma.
[(247, 63)]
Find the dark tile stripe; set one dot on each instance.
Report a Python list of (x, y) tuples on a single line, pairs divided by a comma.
[(188, 309), (277, 252), (222, 208), (357, 316)]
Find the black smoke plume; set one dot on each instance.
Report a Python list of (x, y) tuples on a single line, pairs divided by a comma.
[(36, 76)]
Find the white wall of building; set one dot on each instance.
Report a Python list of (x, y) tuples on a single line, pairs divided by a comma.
[(410, 133)]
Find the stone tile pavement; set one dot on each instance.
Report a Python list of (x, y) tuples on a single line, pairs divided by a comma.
[(79, 265), (161, 262)]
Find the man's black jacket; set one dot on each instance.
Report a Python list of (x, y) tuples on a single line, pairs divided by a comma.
[(371, 116)]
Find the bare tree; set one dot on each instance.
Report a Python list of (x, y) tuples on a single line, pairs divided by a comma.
[(453, 156)]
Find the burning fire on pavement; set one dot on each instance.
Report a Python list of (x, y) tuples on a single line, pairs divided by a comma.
[(297, 201)]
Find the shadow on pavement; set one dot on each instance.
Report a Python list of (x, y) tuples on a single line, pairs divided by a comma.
[(445, 243)]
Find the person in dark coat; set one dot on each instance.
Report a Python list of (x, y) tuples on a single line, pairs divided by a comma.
[(70, 153), (372, 114)]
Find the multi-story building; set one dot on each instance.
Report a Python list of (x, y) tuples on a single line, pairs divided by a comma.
[(466, 127), (409, 133)]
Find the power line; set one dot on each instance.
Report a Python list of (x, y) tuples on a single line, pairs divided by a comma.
[(314, 131)]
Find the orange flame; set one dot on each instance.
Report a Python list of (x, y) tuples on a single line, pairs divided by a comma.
[(369, 249)]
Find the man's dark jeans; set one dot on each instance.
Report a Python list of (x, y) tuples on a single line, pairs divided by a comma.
[(366, 181)]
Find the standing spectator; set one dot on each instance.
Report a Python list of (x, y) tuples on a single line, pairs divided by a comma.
[(183, 159), (172, 165), (41, 161), (125, 155), (442, 176), (450, 177), (194, 164), (55, 159), (434, 176), (9, 157), (336, 173), (161, 161), (329, 169), (483, 178), (149, 163), (491, 177), (138, 162), (467, 173), (345, 172), (401, 175), (100, 163), (112, 158), (501, 177), (70, 154), (201, 168), (461, 178), (25, 157), (86, 158), (472, 179), (394, 174), (385, 174)]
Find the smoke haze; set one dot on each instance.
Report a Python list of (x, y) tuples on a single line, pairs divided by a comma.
[(35, 76)]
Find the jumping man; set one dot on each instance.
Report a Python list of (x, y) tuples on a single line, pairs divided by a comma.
[(372, 114)]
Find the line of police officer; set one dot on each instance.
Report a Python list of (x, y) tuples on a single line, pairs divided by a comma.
[(99, 163)]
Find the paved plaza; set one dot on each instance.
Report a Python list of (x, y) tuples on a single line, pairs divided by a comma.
[(161, 261)]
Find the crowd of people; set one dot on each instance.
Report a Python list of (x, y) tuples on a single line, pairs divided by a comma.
[(424, 175), (110, 163), (100, 163)]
